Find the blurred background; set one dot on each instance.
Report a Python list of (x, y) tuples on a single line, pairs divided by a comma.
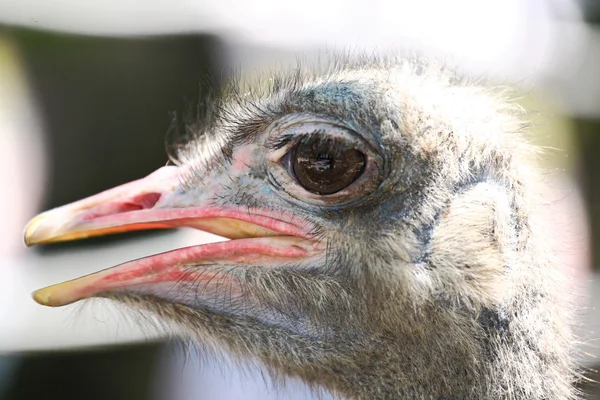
[(87, 95)]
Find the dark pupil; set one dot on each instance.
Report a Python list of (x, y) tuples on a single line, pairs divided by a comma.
[(326, 166)]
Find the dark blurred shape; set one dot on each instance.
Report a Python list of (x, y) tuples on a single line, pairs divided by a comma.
[(106, 103), (589, 135), (591, 10), (116, 373)]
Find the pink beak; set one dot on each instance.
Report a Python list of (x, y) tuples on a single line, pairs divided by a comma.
[(157, 202)]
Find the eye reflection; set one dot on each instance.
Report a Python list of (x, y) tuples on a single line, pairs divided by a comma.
[(324, 165)]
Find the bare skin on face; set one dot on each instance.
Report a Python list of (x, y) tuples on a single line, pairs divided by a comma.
[(383, 239)]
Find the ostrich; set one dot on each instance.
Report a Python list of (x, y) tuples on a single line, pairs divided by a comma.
[(383, 245)]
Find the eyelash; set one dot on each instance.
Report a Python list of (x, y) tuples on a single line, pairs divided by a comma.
[(285, 139), (280, 141)]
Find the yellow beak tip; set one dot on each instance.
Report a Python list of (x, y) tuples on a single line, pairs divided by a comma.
[(43, 297), (28, 241), (31, 229)]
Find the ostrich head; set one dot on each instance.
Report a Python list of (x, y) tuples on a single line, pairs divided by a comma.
[(382, 245)]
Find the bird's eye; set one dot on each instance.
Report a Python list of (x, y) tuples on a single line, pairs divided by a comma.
[(324, 165), (321, 163)]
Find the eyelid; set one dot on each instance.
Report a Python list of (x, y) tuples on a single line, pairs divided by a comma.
[(289, 135), (286, 161)]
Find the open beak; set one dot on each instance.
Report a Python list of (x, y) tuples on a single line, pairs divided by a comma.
[(159, 201)]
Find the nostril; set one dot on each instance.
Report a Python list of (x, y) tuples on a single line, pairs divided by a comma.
[(141, 202), (144, 201)]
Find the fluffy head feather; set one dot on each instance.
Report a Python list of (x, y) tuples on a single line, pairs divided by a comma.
[(436, 283), (455, 295)]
